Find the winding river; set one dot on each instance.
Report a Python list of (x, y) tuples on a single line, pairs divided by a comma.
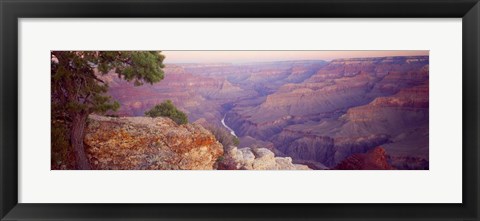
[(228, 128)]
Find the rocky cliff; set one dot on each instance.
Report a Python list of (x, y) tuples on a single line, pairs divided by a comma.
[(143, 143)]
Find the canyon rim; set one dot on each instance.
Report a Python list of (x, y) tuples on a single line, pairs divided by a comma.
[(240, 110)]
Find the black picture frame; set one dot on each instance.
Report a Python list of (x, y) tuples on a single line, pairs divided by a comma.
[(12, 10)]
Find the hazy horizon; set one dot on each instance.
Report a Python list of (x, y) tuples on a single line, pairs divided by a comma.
[(179, 57)]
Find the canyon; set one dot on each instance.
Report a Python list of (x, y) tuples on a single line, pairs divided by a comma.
[(323, 114)]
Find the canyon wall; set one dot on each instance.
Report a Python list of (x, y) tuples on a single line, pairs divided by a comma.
[(349, 106)]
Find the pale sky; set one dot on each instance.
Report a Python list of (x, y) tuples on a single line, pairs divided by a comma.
[(262, 56)]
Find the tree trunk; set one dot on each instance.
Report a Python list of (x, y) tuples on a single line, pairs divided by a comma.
[(79, 121)]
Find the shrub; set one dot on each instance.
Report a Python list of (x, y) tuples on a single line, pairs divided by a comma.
[(167, 109), (236, 141), (225, 163)]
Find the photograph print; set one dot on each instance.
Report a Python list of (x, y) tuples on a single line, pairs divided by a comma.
[(240, 110)]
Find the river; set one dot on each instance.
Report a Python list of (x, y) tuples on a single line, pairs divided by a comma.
[(228, 128)]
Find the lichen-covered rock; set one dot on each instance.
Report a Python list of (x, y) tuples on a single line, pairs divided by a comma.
[(256, 159), (144, 143)]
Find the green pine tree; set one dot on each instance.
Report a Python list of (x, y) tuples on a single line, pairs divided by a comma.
[(167, 109), (77, 90)]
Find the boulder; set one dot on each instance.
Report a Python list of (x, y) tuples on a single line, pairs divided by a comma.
[(256, 159), (144, 143)]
